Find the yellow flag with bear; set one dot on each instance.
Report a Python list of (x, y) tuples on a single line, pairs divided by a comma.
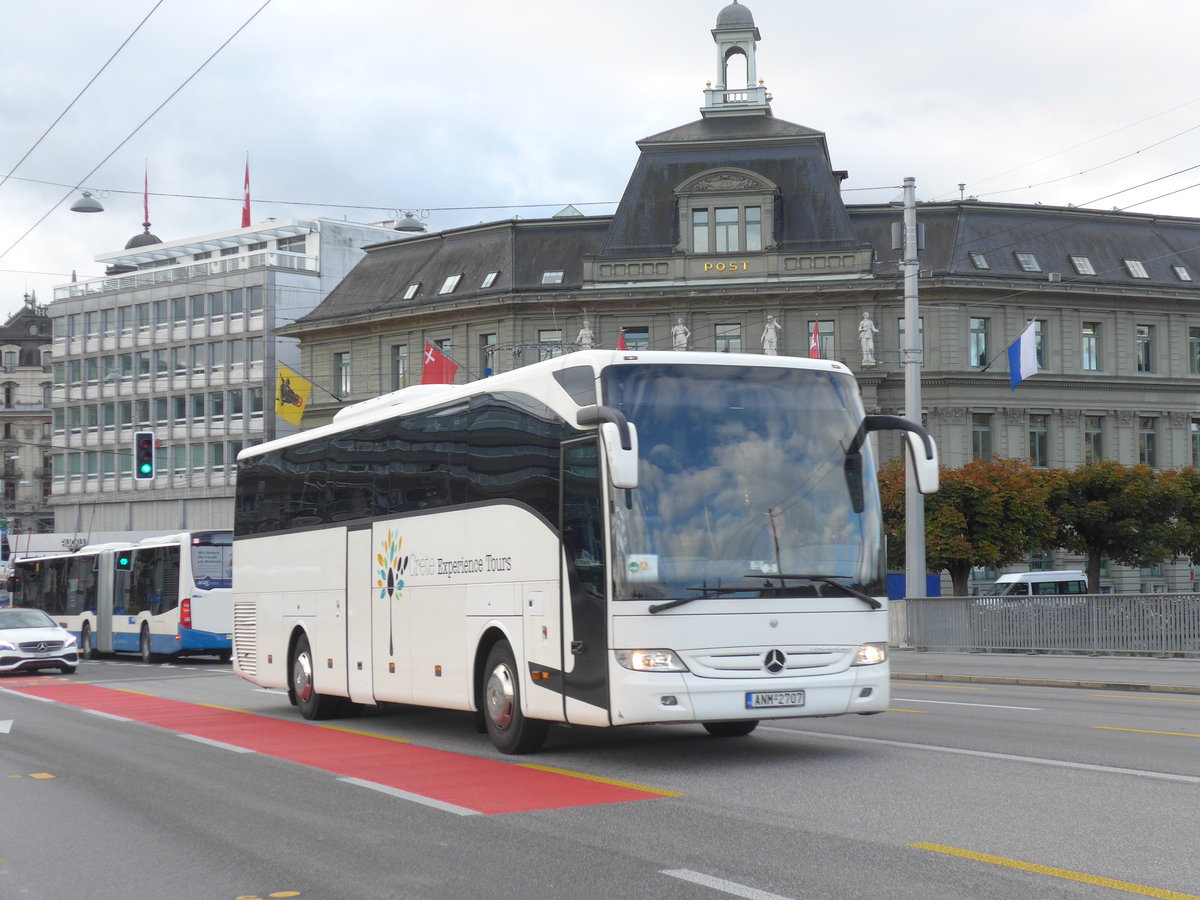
[(291, 395)]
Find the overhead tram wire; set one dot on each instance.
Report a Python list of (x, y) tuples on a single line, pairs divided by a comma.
[(1091, 140), (143, 123), (91, 81)]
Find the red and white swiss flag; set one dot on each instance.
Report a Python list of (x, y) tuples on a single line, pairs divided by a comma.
[(436, 366)]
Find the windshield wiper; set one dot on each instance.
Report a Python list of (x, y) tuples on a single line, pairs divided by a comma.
[(705, 592), (823, 579)]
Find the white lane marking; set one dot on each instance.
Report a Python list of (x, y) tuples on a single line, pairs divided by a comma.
[(5, 726), (720, 884), (960, 703), (986, 754), (212, 743), (415, 798), (29, 696), (107, 715)]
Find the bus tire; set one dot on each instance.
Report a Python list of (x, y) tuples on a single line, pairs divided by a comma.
[(510, 729), (311, 704), (731, 729), (87, 646), (144, 645)]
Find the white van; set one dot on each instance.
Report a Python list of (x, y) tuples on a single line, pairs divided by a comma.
[(1024, 584)]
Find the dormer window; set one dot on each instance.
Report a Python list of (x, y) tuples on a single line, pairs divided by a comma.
[(552, 276), (978, 260), (489, 279), (1182, 273), (450, 283), (1028, 262), (726, 211), (411, 290), (1083, 265), (1135, 268)]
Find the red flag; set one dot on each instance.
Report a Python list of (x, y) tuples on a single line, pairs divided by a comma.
[(814, 348), (621, 341), (436, 366), (246, 203)]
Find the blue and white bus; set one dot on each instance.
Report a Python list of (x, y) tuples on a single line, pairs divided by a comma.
[(163, 596), (605, 538)]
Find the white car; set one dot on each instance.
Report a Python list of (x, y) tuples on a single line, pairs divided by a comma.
[(30, 640)]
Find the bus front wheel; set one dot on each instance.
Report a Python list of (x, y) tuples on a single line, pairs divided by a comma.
[(311, 704), (510, 729)]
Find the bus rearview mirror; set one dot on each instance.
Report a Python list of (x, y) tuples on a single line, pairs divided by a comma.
[(622, 463)]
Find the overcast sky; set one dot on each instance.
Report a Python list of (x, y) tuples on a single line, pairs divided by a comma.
[(477, 110)]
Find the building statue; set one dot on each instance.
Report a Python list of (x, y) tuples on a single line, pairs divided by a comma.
[(770, 336), (585, 340), (679, 335), (866, 338)]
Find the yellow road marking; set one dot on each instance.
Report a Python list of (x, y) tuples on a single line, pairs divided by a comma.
[(226, 708), (1160, 699), (898, 709), (371, 734), (139, 693), (1145, 731), (41, 775), (1054, 872), (939, 684), (626, 784)]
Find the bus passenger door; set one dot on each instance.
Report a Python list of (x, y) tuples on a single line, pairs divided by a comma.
[(584, 586), (359, 679)]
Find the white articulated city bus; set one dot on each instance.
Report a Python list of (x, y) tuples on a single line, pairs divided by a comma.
[(605, 538), (162, 596)]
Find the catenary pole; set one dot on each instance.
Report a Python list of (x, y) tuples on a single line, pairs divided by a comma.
[(914, 502)]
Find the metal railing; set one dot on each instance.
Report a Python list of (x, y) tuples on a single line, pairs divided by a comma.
[(1150, 624)]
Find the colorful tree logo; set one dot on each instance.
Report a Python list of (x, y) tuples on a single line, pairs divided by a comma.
[(391, 567)]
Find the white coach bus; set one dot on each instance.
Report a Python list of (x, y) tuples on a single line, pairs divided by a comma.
[(605, 538)]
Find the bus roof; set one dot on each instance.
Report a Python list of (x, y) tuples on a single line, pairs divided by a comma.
[(417, 397)]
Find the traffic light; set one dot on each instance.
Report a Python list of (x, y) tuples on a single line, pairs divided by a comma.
[(143, 455), (123, 560)]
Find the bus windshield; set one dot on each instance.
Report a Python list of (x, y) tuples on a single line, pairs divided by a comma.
[(743, 484)]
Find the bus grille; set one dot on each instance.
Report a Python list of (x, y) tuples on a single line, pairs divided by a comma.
[(245, 639)]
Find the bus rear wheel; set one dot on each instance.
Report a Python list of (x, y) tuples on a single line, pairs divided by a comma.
[(731, 729), (510, 729), (311, 704), (144, 646), (87, 646)]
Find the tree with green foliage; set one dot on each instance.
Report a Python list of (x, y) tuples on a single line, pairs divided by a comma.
[(1128, 514), (990, 512)]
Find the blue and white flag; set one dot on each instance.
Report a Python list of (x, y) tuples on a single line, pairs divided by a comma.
[(1022, 356)]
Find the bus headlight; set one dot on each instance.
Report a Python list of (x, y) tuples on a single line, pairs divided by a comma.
[(870, 654), (650, 660)]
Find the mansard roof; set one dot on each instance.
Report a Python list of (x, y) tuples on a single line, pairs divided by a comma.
[(810, 213), (956, 230), (519, 250)]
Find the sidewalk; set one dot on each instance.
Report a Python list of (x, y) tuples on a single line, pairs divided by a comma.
[(1109, 673)]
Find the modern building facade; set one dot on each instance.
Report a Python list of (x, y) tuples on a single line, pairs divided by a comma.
[(179, 338), (733, 235)]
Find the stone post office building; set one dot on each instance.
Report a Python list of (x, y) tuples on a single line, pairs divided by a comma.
[(738, 217)]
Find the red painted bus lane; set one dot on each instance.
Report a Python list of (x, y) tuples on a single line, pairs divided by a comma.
[(485, 786)]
